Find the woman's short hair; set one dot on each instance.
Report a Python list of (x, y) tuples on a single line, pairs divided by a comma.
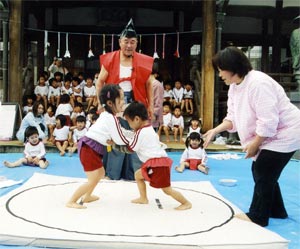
[(233, 60)]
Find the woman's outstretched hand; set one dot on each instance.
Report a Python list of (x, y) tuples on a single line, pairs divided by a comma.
[(208, 137)]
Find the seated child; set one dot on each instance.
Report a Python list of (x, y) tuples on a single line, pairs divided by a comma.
[(77, 111), (178, 94), (188, 98), (61, 134), (65, 108), (89, 116), (50, 120), (168, 93), (156, 164), (77, 90), (165, 126), (28, 104), (41, 91), (195, 125), (89, 91), (78, 132), (177, 124), (54, 92), (34, 152), (194, 156), (67, 89)]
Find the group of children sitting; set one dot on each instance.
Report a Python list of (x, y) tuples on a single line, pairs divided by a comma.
[(179, 95), (50, 91)]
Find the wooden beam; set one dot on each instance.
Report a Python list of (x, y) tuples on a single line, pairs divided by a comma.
[(208, 74)]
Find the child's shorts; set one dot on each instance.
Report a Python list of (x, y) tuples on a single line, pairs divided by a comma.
[(159, 177), (33, 164), (61, 142), (90, 159), (193, 163)]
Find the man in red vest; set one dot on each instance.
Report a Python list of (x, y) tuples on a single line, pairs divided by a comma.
[(128, 68), (131, 70)]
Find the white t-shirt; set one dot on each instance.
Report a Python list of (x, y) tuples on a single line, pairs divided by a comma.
[(53, 91), (37, 150), (64, 109), (190, 153), (89, 91), (177, 121), (125, 72), (146, 144), (49, 120), (61, 134), (41, 90), (77, 134), (105, 128)]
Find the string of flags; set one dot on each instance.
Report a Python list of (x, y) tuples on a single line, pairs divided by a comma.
[(90, 53)]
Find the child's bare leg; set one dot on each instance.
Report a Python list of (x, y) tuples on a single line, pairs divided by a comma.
[(192, 106), (175, 134), (15, 164), (88, 196), (59, 147), (204, 169), (185, 204), (181, 167), (166, 130), (74, 148), (93, 179), (43, 164), (187, 105), (142, 188), (182, 105), (95, 101), (180, 134), (62, 148), (89, 100), (159, 131)]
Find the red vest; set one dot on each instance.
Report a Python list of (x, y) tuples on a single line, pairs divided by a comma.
[(141, 70)]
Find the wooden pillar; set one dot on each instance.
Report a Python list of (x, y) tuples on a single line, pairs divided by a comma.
[(208, 74), (15, 87)]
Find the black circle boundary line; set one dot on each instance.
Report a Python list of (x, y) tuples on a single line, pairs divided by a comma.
[(118, 235)]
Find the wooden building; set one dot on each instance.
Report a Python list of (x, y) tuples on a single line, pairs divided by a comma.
[(186, 34)]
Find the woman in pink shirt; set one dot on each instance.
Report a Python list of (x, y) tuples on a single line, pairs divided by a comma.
[(267, 124)]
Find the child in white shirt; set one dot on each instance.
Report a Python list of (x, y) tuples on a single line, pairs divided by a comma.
[(78, 132), (54, 92), (67, 89), (188, 95), (89, 91), (195, 125), (166, 125), (34, 152), (168, 93), (77, 89), (178, 94), (50, 120), (194, 156), (177, 124), (156, 165), (61, 134), (65, 108), (41, 91)]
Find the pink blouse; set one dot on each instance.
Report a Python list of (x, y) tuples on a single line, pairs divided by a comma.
[(259, 105)]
